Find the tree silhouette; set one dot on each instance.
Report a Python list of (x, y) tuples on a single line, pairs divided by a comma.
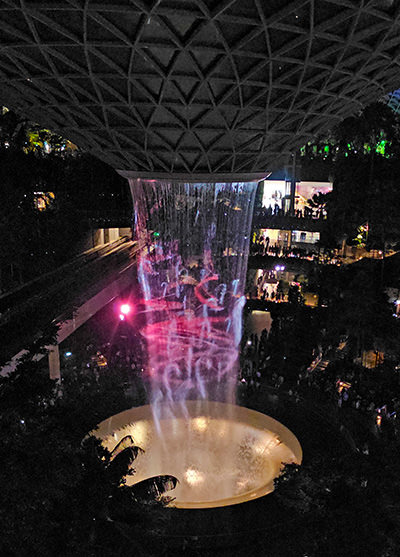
[(61, 490)]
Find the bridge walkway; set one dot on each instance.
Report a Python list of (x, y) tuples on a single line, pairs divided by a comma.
[(57, 297)]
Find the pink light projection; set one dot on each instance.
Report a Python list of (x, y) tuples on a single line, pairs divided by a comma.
[(194, 240), (125, 309), (191, 357)]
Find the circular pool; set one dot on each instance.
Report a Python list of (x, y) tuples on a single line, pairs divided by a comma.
[(221, 454)]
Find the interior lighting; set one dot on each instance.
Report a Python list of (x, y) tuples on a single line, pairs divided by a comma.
[(125, 309), (194, 477), (200, 423), (68, 354), (342, 385)]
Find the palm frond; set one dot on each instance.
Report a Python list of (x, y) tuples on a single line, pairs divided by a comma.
[(154, 487), (125, 442)]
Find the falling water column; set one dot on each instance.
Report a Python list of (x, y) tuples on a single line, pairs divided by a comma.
[(194, 236)]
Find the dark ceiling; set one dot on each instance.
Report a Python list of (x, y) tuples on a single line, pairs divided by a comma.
[(195, 85)]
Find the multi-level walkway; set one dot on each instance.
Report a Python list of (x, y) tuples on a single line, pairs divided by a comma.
[(67, 297)]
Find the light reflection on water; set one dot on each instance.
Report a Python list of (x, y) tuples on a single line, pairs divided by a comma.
[(225, 454)]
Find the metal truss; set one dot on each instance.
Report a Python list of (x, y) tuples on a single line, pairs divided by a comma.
[(393, 100), (195, 85)]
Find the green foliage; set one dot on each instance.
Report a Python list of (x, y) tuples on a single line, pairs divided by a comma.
[(32, 160), (365, 194), (374, 130), (364, 159), (293, 337), (346, 505), (17, 133), (358, 307), (61, 491)]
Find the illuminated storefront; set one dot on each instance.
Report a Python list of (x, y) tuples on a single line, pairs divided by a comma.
[(276, 194), (276, 199)]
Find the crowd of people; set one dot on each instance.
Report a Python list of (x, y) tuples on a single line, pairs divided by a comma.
[(343, 381), (277, 211), (263, 246), (371, 393)]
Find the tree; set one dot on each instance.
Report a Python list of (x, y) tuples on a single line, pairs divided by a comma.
[(61, 491), (358, 307), (341, 505), (363, 153), (32, 160)]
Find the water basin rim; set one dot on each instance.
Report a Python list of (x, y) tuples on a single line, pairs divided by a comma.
[(245, 496), (202, 408)]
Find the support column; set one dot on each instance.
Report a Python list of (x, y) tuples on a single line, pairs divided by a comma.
[(292, 196), (113, 234), (291, 176), (54, 362)]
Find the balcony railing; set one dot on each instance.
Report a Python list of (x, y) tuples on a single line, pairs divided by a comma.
[(311, 223)]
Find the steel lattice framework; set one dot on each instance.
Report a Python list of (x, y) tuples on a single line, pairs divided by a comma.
[(195, 85), (393, 101)]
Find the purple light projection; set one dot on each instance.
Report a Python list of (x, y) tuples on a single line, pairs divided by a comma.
[(192, 270)]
